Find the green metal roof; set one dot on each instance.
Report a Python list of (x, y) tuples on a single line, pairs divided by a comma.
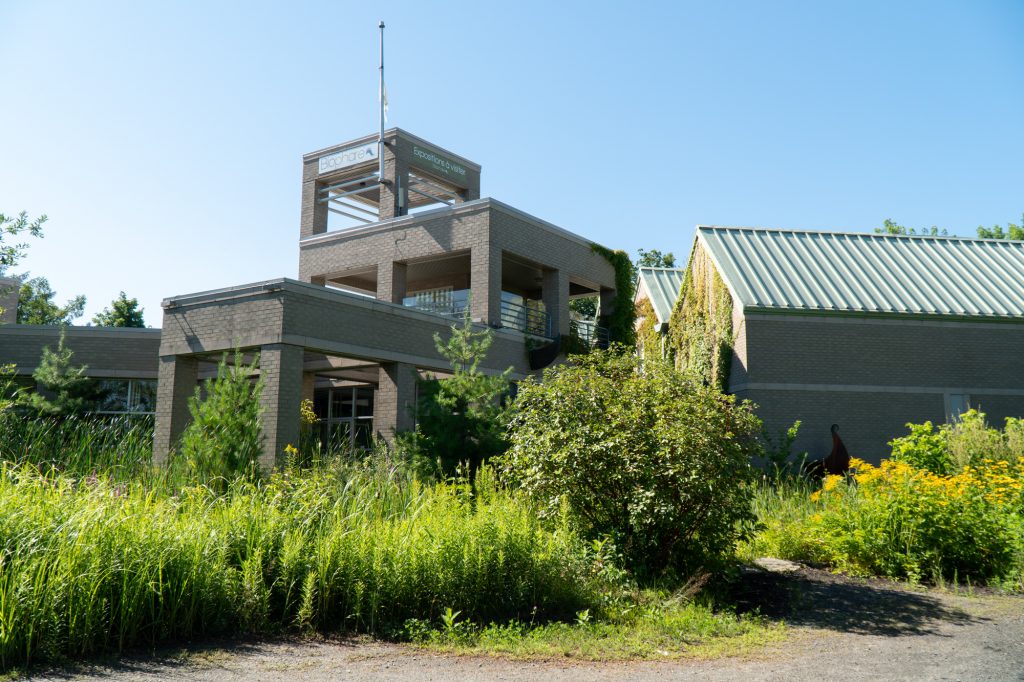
[(787, 270), (662, 285)]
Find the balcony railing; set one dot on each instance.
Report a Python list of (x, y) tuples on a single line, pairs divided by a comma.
[(448, 304), (589, 333), (526, 319)]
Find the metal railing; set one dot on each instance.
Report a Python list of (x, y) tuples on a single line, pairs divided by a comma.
[(589, 333), (526, 319)]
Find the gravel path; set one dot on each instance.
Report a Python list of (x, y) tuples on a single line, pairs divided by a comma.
[(842, 629)]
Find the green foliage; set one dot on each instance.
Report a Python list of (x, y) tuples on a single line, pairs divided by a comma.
[(586, 308), (651, 623), (119, 446), (700, 328), (224, 439), (636, 451), (654, 259), (891, 227), (461, 419), (900, 521), (950, 448), (9, 389), (65, 389), (1012, 231), (925, 447), (12, 227), (94, 565), (648, 340), (36, 306), (123, 312), (621, 320), (778, 452)]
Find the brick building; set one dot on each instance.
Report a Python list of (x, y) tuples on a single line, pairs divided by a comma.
[(869, 331), (392, 250)]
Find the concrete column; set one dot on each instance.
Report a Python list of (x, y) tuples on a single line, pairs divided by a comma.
[(394, 403), (485, 284), (313, 217), (281, 370), (391, 278), (555, 293), (177, 379)]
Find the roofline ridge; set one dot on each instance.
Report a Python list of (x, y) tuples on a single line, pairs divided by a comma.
[(948, 237)]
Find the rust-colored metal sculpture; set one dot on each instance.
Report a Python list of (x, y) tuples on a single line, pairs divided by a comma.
[(836, 464)]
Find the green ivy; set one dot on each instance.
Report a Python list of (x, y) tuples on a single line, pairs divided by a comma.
[(648, 340), (700, 330), (620, 322)]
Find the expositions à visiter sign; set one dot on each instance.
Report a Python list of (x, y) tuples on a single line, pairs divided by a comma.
[(433, 161)]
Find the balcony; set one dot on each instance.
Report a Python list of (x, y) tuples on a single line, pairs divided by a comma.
[(526, 318)]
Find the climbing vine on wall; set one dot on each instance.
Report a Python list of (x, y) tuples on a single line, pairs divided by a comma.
[(700, 330), (620, 322), (648, 340)]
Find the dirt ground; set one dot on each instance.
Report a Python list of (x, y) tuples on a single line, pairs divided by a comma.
[(841, 629)]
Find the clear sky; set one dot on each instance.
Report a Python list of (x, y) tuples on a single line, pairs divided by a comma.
[(164, 140)]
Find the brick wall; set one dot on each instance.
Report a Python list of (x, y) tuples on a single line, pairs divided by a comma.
[(108, 352), (872, 375)]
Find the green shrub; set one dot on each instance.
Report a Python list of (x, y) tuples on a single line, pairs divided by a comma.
[(636, 451), (461, 419), (224, 438), (950, 448), (925, 447)]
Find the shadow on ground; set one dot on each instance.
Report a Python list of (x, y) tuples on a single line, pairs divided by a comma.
[(817, 599), (165, 660)]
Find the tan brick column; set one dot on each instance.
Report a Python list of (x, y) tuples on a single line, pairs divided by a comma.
[(313, 216), (556, 299), (485, 284), (177, 379), (391, 278), (394, 402), (281, 369)]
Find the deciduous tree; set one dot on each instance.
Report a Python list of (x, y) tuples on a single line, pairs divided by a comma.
[(123, 312)]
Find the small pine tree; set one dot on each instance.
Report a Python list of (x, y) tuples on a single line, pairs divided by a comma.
[(225, 438), (461, 419), (66, 389)]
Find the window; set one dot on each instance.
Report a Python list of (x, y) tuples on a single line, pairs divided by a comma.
[(125, 396), (956, 404), (346, 416)]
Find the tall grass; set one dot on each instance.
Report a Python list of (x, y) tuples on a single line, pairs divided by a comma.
[(120, 446), (93, 565)]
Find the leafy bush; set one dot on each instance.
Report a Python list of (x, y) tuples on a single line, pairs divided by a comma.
[(950, 448), (636, 451), (224, 438), (925, 447), (92, 565)]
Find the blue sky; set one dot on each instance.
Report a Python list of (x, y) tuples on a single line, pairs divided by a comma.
[(165, 140)]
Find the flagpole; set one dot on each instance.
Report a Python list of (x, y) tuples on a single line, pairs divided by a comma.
[(380, 141)]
